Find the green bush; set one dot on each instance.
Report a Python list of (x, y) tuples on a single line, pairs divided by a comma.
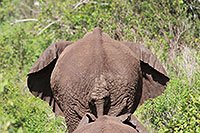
[(169, 28), (177, 110), (19, 110)]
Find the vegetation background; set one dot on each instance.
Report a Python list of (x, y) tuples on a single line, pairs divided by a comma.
[(169, 28)]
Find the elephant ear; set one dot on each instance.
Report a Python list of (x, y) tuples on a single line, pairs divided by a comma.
[(130, 120), (87, 118), (40, 74), (154, 78)]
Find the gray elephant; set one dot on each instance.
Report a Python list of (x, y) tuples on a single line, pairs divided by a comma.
[(96, 75), (108, 124)]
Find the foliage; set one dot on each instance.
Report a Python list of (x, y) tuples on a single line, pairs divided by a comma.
[(169, 28), (19, 111), (177, 110)]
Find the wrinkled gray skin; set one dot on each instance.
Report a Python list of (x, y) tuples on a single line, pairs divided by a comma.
[(108, 124), (96, 75)]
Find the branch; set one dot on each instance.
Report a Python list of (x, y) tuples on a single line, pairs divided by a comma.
[(48, 26), (179, 35), (23, 20), (87, 2)]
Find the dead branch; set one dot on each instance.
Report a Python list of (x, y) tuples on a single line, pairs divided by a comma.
[(23, 20), (48, 26), (181, 32)]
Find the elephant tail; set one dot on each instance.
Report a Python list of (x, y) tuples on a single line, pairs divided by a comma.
[(99, 97)]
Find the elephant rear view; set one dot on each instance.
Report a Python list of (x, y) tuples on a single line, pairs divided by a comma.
[(96, 75), (108, 124)]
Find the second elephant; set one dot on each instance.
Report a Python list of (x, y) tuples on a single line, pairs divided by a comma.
[(108, 124), (96, 75)]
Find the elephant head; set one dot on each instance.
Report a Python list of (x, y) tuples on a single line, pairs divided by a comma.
[(108, 124), (96, 75)]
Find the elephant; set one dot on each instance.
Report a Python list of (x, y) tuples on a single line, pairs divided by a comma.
[(96, 75), (108, 124)]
